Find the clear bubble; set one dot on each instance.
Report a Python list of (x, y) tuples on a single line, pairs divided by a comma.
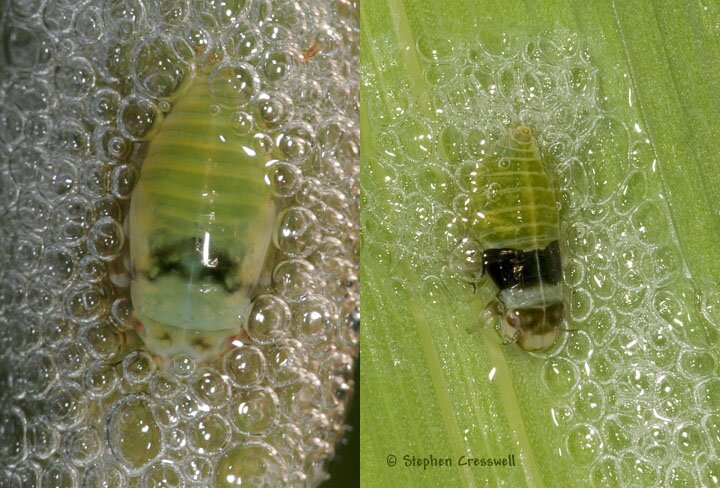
[(581, 304), (273, 110), (689, 440), (285, 361), (71, 138), (662, 264), (245, 366), (182, 365), (249, 464), (255, 411), (162, 475), (435, 182), (83, 446), (75, 77), (584, 444), (88, 25), (617, 430), (678, 476), (155, 67), (104, 340), (122, 180), (245, 42), (42, 439), (671, 395), (109, 143), (208, 434), (416, 139), (295, 142), (104, 475), (262, 144), (242, 123), (100, 380), (167, 415), (650, 222), (655, 443), (73, 218), (65, 405), (560, 375), (125, 17), (466, 258), (297, 232), (590, 401), (164, 385), (336, 375), (58, 266), (59, 474), (23, 164), (138, 367), (138, 118), (94, 178), (434, 48), (284, 178), (210, 388), (30, 94), (606, 473), (632, 193), (40, 372), (85, 303), (294, 278), (25, 48), (171, 12), (26, 250), (121, 312), (106, 239), (12, 435), (707, 395), (11, 125), (71, 359), (198, 469), (696, 364), (133, 434), (278, 65), (234, 85), (269, 319), (314, 318), (191, 43), (24, 9)]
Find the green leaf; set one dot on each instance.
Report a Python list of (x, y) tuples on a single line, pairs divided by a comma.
[(435, 379)]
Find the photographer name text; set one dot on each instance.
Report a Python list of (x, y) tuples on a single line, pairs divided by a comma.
[(433, 461)]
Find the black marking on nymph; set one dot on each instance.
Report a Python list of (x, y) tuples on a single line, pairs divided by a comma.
[(183, 258), (513, 268)]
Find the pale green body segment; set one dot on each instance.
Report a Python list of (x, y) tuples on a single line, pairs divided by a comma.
[(201, 220), (516, 207)]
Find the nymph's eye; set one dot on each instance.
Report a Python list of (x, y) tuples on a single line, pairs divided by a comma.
[(200, 344), (165, 339), (513, 318)]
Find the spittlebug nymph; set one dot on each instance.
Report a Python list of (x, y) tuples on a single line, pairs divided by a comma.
[(519, 226), (201, 219)]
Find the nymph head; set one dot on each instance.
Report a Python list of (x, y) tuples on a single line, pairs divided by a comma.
[(522, 133), (533, 328)]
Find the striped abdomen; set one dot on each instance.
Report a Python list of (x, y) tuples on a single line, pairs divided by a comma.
[(201, 218), (520, 206), (518, 223)]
